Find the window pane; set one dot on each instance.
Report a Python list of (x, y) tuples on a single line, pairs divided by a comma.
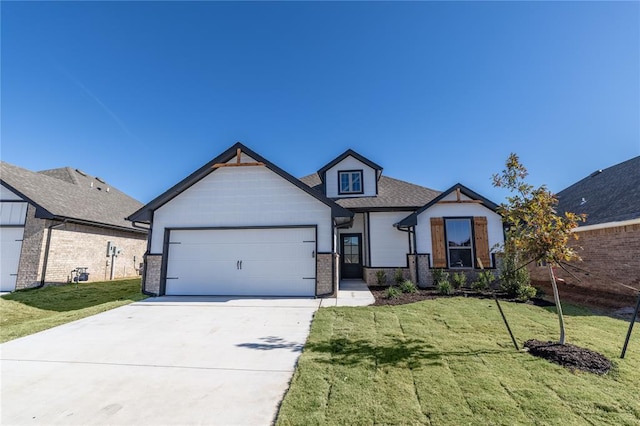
[(344, 182), (356, 182), (458, 233), (460, 258)]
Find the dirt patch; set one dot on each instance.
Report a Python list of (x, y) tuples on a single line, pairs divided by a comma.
[(570, 356), (579, 295)]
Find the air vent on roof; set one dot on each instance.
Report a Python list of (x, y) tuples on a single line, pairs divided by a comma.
[(597, 172), (81, 172), (100, 180), (583, 201)]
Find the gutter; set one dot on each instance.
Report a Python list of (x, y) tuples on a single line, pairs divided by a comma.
[(606, 225)]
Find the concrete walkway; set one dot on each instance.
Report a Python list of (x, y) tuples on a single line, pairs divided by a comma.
[(161, 361), (351, 293)]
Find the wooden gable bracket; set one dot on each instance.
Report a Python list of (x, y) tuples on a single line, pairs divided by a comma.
[(460, 200), (237, 163)]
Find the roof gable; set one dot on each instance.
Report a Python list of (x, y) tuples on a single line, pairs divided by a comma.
[(458, 189), (608, 195), (349, 153), (146, 212)]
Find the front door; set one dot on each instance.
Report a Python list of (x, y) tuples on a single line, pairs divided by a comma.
[(351, 255)]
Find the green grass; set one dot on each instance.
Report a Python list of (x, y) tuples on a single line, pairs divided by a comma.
[(26, 312), (450, 361)]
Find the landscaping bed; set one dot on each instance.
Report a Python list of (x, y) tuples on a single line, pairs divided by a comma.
[(570, 356)]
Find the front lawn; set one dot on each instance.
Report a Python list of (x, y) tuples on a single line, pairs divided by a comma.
[(29, 311), (450, 361)]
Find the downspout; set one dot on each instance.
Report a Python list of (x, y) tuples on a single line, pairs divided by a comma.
[(46, 251)]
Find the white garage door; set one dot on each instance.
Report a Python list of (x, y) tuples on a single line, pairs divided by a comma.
[(242, 262), (10, 246)]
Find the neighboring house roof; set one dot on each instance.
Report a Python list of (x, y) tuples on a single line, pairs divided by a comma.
[(609, 195), (349, 153), (145, 213), (392, 194), (412, 219), (68, 193)]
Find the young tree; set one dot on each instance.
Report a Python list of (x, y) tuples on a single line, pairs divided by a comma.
[(534, 227)]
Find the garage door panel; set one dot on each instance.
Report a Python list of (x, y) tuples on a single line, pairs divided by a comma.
[(242, 262), (10, 248)]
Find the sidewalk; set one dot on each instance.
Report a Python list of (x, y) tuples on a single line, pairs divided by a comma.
[(350, 293)]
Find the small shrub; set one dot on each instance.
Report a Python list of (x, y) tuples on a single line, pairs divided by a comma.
[(398, 276), (526, 292), (485, 278), (439, 275), (514, 278), (392, 292), (444, 287), (408, 287), (381, 277), (459, 280)]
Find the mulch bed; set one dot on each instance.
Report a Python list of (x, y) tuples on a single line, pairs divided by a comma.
[(427, 294), (570, 356)]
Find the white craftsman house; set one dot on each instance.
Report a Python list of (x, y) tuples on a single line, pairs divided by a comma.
[(241, 226)]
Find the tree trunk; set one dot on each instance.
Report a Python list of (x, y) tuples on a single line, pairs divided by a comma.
[(556, 299)]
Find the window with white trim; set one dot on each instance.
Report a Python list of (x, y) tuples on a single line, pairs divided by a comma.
[(459, 242), (350, 182)]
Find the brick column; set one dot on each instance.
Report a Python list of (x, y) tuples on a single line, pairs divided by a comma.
[(152, 273), (325, 284)]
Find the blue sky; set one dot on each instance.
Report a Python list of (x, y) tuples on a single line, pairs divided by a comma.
[(143, 93)]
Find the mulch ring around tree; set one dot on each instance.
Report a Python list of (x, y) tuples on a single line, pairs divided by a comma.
[(570, 356)]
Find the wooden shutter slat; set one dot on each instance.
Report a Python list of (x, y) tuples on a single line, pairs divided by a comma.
[(482, 241), (437, 243)]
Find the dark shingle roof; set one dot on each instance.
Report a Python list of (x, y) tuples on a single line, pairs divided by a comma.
[(392, 193), (610, 195), (69, 193)]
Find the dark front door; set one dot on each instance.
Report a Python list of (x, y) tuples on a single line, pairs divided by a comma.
[(351, 255)]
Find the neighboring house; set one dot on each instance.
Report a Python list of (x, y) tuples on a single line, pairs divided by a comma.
[(609, 239), (241, 226), (55, 221)]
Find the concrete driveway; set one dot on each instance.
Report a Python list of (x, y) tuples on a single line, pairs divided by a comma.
[(160, 361)]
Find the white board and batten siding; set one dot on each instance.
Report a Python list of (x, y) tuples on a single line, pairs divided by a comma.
[(13, 213), (241, 197), (369, 178), (423, 228), (389, 247)]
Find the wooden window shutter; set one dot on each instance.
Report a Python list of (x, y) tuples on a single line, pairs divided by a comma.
[(437, 243), (482, 241)]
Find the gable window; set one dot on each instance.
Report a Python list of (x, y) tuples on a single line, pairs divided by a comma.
[(459, 242), (350, 182)]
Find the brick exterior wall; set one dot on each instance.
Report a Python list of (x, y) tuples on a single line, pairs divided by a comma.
[(74, 245), (610, 255), (369, 275), (31, 255), (424, 273), (152, 274), (325, 274)]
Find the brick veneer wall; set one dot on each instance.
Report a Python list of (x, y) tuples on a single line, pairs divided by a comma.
[(609, 254), (31, 258), (74, 245), (325, 278), (369, 275), (152, 274)]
